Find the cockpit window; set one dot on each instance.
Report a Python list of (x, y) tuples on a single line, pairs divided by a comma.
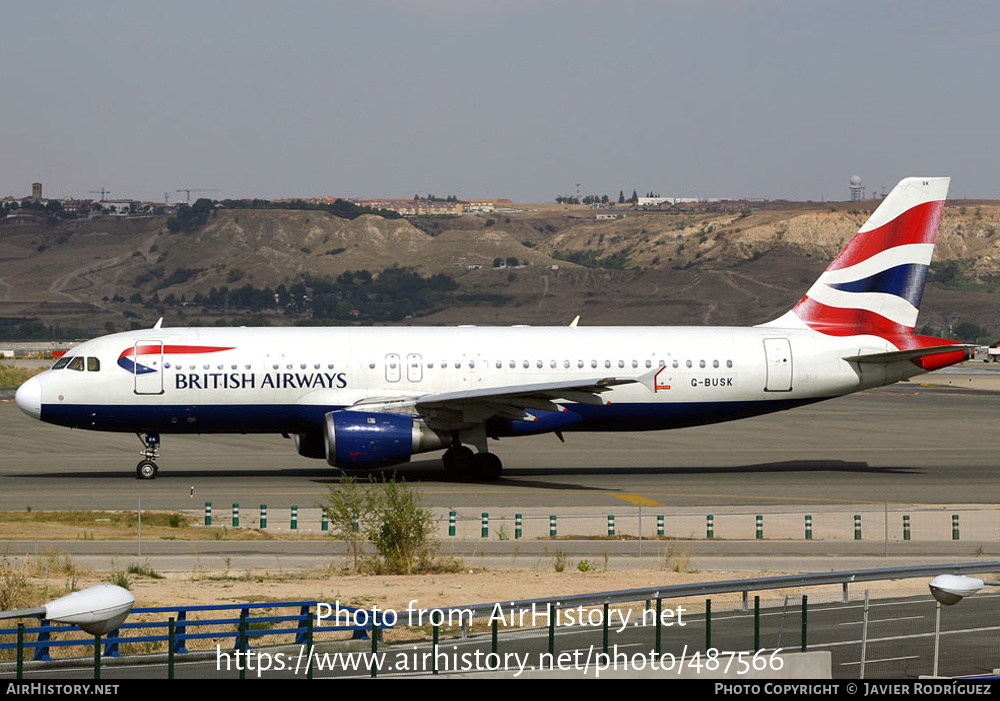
[(62, 362), (76, 363), (93, 364)]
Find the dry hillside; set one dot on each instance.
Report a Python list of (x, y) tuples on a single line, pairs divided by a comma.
[(661, 268)]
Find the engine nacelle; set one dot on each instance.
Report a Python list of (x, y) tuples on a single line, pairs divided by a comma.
[(369, 439), (311, 445)]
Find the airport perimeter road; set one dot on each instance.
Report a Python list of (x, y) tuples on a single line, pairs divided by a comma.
[(903, 444)]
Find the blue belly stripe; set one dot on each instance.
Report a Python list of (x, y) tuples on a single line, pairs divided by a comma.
[(297, 418)]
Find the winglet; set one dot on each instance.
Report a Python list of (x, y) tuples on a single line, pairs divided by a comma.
[(159, 323), (576, 320)]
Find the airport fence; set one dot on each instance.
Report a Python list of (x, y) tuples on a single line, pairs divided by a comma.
[(883, 522), (690, 630)]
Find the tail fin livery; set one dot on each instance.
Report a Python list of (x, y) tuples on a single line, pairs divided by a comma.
[(875, 285)]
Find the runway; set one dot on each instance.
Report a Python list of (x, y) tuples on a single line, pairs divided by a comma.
[(904, 444)]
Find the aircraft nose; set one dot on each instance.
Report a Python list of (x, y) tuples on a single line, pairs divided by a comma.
[(29, 398)]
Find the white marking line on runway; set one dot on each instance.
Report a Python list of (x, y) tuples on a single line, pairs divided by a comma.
[(882, 620), (912, 636), (885, 659)]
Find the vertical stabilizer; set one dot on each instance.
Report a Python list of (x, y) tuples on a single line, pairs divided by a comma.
[(875, 285)]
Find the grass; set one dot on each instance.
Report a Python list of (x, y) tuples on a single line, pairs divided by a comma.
[(12, 376)]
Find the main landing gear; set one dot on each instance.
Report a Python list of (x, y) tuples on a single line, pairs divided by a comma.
[(461, 463), (146, 469)]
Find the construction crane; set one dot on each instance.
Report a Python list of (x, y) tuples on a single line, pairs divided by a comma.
[(189, 190), (102, 192)]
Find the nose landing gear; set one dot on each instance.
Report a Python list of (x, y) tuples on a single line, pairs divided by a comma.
[(146, 469)]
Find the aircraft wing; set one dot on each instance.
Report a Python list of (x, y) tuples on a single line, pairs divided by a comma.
[(509, 402)]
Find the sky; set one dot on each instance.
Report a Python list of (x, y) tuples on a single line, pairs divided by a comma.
[(776, 99)]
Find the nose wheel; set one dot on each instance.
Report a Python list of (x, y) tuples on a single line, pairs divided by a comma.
[(147, 469)]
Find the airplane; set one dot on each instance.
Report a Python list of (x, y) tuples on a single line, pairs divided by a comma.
[(367, 398)]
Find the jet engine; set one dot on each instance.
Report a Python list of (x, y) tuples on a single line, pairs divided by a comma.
[(311, 445), (369, 440)]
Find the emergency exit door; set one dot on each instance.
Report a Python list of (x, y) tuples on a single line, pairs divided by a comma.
[(778, 357)]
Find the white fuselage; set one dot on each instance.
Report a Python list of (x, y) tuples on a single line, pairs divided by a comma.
[(284, 379)]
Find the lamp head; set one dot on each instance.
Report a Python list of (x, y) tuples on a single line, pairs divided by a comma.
[(98, 610), (949, 589)]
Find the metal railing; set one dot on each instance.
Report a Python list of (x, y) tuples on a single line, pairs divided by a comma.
[(676, 621)]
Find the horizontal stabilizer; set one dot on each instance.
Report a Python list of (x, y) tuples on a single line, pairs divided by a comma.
[(910, 353)]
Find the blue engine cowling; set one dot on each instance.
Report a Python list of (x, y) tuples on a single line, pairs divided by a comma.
[(367, 440)]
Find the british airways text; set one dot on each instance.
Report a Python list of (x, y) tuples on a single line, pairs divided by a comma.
[(271, 380)]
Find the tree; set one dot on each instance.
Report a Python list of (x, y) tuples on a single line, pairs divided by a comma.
[(348, 503), (621, 197), (969, 332), (390, 515)]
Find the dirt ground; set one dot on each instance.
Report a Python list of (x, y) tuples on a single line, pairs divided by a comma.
[(432, 590)]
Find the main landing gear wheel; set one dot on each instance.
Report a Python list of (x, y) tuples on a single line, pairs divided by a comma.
[(457, 461), (486, 467), (146, 470)]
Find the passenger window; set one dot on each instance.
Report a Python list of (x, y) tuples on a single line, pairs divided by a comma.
[(76, 363), (539, 364), (565, 363), (579, 363), (621, 363), (607, 363), (715, 363), (676, 364), (93, 364), (635, 363), (649, 363), (593, 363), (729, 363), (688, 363), (701, 363)]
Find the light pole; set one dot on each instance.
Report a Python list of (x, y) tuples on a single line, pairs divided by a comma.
[(949, 589)]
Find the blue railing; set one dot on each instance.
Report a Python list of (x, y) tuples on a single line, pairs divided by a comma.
[(242, 629)]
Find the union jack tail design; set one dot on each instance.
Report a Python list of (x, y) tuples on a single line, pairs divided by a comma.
[(875, 285)]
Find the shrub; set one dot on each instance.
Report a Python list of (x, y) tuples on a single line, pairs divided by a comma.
[(391, 516)]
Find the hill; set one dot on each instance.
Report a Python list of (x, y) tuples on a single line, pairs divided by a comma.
[(737, 267)]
